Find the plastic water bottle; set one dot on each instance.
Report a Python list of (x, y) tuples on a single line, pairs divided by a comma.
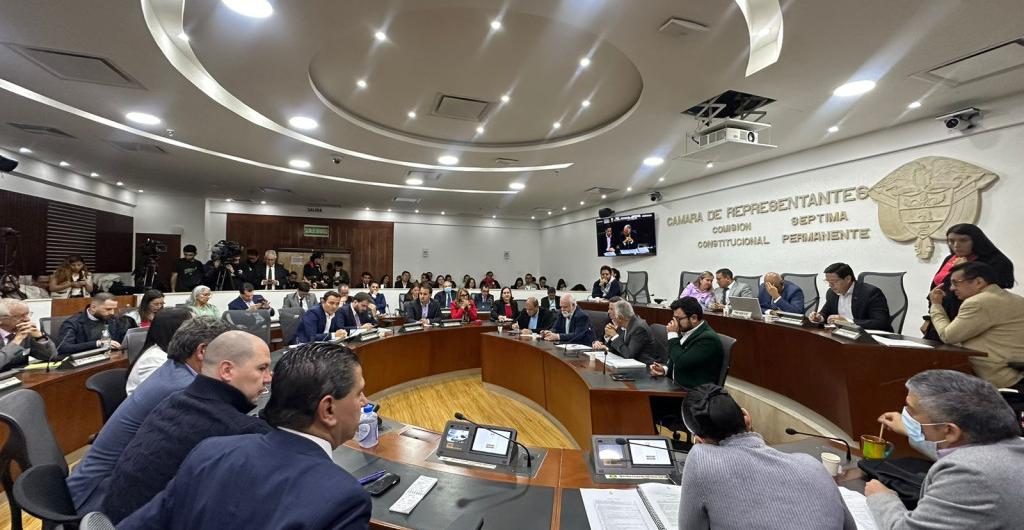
[(367, 435), (105, 336)]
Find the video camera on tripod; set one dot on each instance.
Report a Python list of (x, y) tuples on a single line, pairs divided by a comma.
[(146, 272), (222, 253)]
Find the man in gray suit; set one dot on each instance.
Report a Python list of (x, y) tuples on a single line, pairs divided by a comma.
[(727, 289), (19, 337), (963, 423), (301, 298), (629, 336)]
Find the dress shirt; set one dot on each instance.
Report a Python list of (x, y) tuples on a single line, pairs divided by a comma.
[(5, 337), (327, 324), (269, 275), (533, 320), (426, 309), (315, 439), (355, 314), (845, 309)]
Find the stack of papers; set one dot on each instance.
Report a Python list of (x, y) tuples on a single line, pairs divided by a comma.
[(572, 347), (858, 506), (626, 365), (899, 342)]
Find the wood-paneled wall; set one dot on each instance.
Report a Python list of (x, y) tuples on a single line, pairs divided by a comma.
[(29, 215), (371, 243)]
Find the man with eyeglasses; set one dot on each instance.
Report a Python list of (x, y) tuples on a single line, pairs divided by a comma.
[(848, 300), (19, 336)]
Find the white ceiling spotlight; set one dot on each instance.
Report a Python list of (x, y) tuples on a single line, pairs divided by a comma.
[(914, 105), (505, 98), (661, 179), (495, 24), (263, 202), (653, 161), (361, 83), (229, 199), (603, 196), (380, 36), (585, 62), (516, 185), (414, 181), (411, 114), (533, 217), (64, 164), (119, 183), (556, 125), (442, 212), (447, 160), (142, 118), (302, 122), (480, 129), (94, 174), (710, 165), (494, 217), (585, 103), (833, 129), (251, 8), (24, 150), (582, 203), (564, 208), (629, 188), (854, 88), (416, 211), (299, 164), (183, 36), (141, 190)]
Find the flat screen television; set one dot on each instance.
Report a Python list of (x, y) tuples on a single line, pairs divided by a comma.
[(626, 235)]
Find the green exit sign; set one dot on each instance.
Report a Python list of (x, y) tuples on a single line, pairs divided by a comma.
[(316, 231)]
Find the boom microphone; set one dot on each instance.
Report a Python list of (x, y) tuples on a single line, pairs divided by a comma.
[(849, 457)]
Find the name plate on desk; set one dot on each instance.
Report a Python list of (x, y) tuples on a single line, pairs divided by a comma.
[(848, 333), (416, 326), (791, 321), (369, 335), (741, 314), (86, 358), (451, 323), (8, 379)]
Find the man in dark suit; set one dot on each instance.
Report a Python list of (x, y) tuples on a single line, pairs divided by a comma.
[(607, 286), (572, 326), (291, 465), (484, 300), (356, 313), (609, 242), (628, 238), (550, 302), (404, 281), (776, 293), (19, 337), (446, 295), (249, 301), (532, 318), (424, 309), (321, 322), (848, 300), (301, 298), (629, 336), (270, 274), (249, 269), (367, 279), (84, 331)]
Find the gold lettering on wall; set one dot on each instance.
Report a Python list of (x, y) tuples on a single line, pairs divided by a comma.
[(784, 204)]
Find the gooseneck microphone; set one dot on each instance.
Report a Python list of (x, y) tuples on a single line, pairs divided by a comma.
[(529, 457), (849, 457)]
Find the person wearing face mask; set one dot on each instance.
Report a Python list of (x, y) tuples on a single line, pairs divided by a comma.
[(315, 404), (964, 424), (235, 372), (446, 296)]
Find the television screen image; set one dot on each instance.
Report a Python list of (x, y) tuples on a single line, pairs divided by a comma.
[(626, 235)]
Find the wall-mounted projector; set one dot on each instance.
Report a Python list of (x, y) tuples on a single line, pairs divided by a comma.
[(728, 139)]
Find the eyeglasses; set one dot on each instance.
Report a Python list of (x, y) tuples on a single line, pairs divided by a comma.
[(958, 282)]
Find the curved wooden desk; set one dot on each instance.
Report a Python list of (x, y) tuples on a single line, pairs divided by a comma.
[(850, 382)]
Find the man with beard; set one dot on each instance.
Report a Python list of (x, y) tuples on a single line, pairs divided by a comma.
[(84, 331)]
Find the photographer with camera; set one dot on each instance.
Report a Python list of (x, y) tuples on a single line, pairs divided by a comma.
[(188, 271), (222, 272)]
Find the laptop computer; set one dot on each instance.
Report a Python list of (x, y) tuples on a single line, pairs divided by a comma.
[(752, 305)]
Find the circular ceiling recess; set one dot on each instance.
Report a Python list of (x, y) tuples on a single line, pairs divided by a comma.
[(440, 74)]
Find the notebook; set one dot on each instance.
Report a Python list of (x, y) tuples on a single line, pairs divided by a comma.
[(650, 506)]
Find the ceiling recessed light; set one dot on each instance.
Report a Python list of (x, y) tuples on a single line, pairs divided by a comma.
[(94, 174), (442, 212), (263, 202), (585, 103), (661, 179), (24, 150), (480, 130), (229, 199), (414, 182), (629, 188), (833, 129), (914, 105), (416, 211), (380, 36), (603, 196), (582, 203), (495, 25), (143, 118), (63, 164), (367, 208), (710, 165), (854, 88), (447, 160), (516, 185), (299, 164), (141, 190), (251, 8), (556, 125), (389, 209), (411, 114), (183, 36), (494, 217), (585, 62), (549, 212), (505, 98), (119, 183), (533, 217), (302, 122), (361, 83), (653, 161), (564, 208)]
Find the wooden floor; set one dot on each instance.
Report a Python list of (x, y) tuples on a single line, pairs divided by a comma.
[(432, 404), (28, 522)]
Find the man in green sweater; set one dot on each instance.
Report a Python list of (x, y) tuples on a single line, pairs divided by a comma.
[(694, 349)]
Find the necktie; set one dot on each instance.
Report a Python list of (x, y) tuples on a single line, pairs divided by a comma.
[(301, 300), (355, 314), (270, 276), (725, 296), (567, 321)]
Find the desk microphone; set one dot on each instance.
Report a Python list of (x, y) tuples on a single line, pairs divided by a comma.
[(791, 431), (529, 458)]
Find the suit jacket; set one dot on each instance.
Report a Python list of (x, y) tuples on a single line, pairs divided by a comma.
[(207, 407), (79, 333), (292, 300), (498, 309), (311, 327), (399, 284), (381, 302), (347, 320), (579, 332), (443, 299), (545, 319), (257, 274), (16, 354), (481, 304), (291, 470), (972, 487), (741, 290), (696, 361), (608, 242), (869, 307), (415, 312), (791, 299), (547, 303), (623, 244), (239, 305), (637, 342), (1004, 271), (614, 289), (991, 321)]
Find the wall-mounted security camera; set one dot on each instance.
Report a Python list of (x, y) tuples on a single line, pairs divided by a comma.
[(960, 120), (336, 159), (655, 196)]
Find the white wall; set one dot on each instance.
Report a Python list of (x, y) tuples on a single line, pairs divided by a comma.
[(473, 250), (41, 179), (172, 214), (568, 246)]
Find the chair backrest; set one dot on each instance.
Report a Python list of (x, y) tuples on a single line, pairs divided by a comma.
[(753, 281), (727, 344), (255, 322), (134, 339), (51, 325), (891, 284), (42, 492), (109, 385), (521, 303), (808, 283), (290, 319), (685, 277), (636, 289), (30, 441), (401, 298), (660, 333), (597, 320)]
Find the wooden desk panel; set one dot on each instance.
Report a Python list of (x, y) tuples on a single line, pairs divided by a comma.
[(516, 366), (70, 306)]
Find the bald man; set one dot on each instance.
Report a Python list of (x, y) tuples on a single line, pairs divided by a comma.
[(572, 326), (778, 294), (235, 372), (19, 336)]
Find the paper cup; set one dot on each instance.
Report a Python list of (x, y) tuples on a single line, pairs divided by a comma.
[(832, 463)]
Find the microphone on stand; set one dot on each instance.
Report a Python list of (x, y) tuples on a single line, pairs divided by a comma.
[(849, 457), (529, 458)]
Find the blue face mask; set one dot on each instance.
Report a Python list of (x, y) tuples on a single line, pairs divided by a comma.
[(916, 436), (447, 289)]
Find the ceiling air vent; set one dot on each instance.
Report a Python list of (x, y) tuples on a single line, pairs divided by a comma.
[(40, 129), (425, 176), (461, 108), (268, 189), (992, 61), (76, 66), (600, 191), (138, 147), (506, 162), (677, 27), (406, 200)]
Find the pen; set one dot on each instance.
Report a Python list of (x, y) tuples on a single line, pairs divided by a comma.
[(370, 478)]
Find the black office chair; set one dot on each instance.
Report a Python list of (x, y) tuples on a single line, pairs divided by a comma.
[(109, 386), (30, 442), (660, 333), (255, 322), (290, 319), (636, 289), (891, 284), (51, 325), (134, 340), (727, 344), (42, 492), (808, 283), (598, 319), (685, 278)]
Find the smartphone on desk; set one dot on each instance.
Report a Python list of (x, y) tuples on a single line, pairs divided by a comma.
[(382, 485), (623, 377)]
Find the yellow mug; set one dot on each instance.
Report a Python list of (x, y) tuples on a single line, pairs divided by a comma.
[(874, 447)]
